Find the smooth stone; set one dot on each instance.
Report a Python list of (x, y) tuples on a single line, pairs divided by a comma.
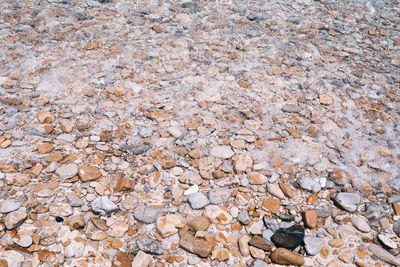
[(193, 244), (217, 215), (198, 201), (348, 201), (103, 205), (199, 223), (147, 214), (88, 173), (224, 152), (67, 171), (175, 132), (385, 240), (383, 254), (258, 263), (74, 249), (289, 238), (361, 223), (260, 243), (219, 195), (166, 225), (10, 205), (76, 222), (274, 190), (271, 224), (15, 219), (243, 217), (74, 200), (191, 190), (291, 108), (396, 228), (313, 245), (309, 184), (244, 246), (23, 240), (284, 256), (149, 245), (141, 259), (61, 209)]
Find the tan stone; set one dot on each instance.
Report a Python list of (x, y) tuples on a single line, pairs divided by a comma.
[(286, 190), (45, 148), (116, 244), (17, 179), (244, 245), (257, 178), (193, 244), (167, 225), (36, 169), (81, 144), (88, 173), (336, 243), (76, 222), (242, 162), (325, 99), (199, 223), (124, 184), (257, 253), (46, 117), (221, 255), (97, 236), (66, 125), (284, 256), (142, 259), (272, 204), (311, 218)]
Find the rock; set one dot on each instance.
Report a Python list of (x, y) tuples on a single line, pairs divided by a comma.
[(336, 243), (309, 184), (289, 238), (66, 125), (124, 184), (67, 171), (274, 190), (190, 177), (386, 241), (198, 200), (103, 205), (313, 245), (257, 178), (257, 253), (243, 217), (149, 245), (147, 214), (191, 190), (45, 148), (291, 108), (76, 222), (361, 223), (81, 144), (284, 256), (175, 132), (74, 200), (17, 179), (61, 209), (10, 205), (98, 236), (223, 152), (74, 249), (199, 223), (141, 260), (383, 255), (260, 243), (311, 219), (23, 240), (244, 246), (272, 204), (348, 201), (325, 99), (396, 228), (242, 162), (286, 190), (166, 225), (258, 263), (88, 173), (194, 245), (219, 195), (216, 215), (338, 177)]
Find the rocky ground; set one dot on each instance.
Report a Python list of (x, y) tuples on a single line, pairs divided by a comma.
[(204, 133)]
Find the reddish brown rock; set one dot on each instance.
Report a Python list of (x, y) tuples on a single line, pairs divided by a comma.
[(272, 204), (311, 218), (88, 173), (285, 256), (124, 184), (193, 244)]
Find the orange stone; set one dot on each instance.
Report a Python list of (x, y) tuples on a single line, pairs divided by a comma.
[(272, 204), (45, 148), (286, 190), (396, 207), (88, 173), (312, 198), (311, 218), (125, 184)]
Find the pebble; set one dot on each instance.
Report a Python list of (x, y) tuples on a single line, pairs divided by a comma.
[(223, 152), (216, 215), (167, 225), (76, 222), (199, 223), (147, 214), (9, 205), (260, 243), (244, 246), (74, 249), (17, 179), (141, 259), (61, 209), (219, 195), (348, 201), (289, 238), (311, 218), (242, 162), (243, 217), (361, 223), (274, 190), (191, 190), (193, 244), (383, 255), (309, 184), (257, 253), (313, 245), (67, 171), (257, 178), (198, 200), (396, 228), (23, 240), (103, 205), (88, 173), (15, 219), (284, 256), (385, 240), (291, 108), (149, 245)]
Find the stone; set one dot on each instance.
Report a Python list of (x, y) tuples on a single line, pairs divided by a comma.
[(216, 215), (361, 223), (141, 259), (286, 257), (66, 125), (311, 218), (291, 108), (67, 171), (286, 190), (149, 245), (242, 162), (103, 205), (257, 178), (191, 190), (147, 214), (74, 200), (386, 241), (199, 223), (348, 201), (257, 253), (274, 190), (244, 246), (290, 237), (98, 236), (336, 243), (46, 117), (74, 249), (17, 179), (260, 243), (9, 205), (81, 144), (313, 244), (220, 255), (223, 152), (61, 209), (325, 99), (45, 148), (76, 222), (154, 179), (175, 132), (23, 240), (167, 225), (124, 184), (198, 200), (396, 228), (193, 244), (383, 255), (309, 184), (88, 173), (219, 195), (272, 204), (15, 219), (338, 177), (243, 217)]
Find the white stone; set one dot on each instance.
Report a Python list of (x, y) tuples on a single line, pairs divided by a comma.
[(224, 152)]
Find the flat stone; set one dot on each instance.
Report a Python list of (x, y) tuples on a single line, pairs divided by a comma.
[(219, 195), (286, 190), (289, 238), (311, 218), (348, 201), (396, 228), (216, 215), (198, 200), (243, 217), (383, 254), (141, 259), (149, 245), (309, 184), (98, 236), (260, 243), (167, 225), (193, 244), (61, 209), (284, 256), (257, 253), (10, 205), (76, 222), (272, 204), (74, 249), (291, 108), (124, 184), (17, 179), (15, 219), (147, 214), (313, 245), (257, 178), (74, 200), (45, 148), (103, 205), (191, 190), (223, 152), (274, 190), (242, 162), (66, 125), (385, 240), (88, 173), (23, 240), (67, 171), (361, 223), (199, 223), (244, 246)]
